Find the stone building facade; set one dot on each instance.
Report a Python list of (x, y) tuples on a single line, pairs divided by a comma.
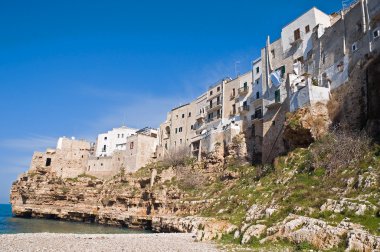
[(313, 62), (68, 160)]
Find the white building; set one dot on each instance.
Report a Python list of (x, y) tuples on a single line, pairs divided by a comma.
[(300, 30), (115, 139)]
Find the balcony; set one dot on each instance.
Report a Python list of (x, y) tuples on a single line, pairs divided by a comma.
[(217, 117), (232, 96), (257, 116), (217, 93), (200, 117), (214, 106), (243, 90), (243, 109), (296, 38)]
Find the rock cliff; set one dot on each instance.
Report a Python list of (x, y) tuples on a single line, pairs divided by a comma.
[(300, 201)]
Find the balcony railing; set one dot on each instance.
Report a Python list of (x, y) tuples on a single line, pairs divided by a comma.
[(232, 96), (296, 40), (244, 109), (243, 90), (213, 118), (214, 105), (258, 115), (200, 117)]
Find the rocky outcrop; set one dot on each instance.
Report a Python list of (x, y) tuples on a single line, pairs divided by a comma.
[(321, 235), (300, 229), (253, 231), (340, 206), (123, 201), (305, 125), (362, 241), (205, 229)]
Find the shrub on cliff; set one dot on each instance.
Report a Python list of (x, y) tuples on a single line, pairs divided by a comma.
[(340, 150), (178, 157)]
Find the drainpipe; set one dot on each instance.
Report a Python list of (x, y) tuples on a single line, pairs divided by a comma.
[(369, 26), (362, 3), (344, 33), (267, 67)]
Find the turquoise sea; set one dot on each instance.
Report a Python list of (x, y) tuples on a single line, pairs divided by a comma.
[(12, 225)]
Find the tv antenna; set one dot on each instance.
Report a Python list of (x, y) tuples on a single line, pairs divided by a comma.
[(237, 68)]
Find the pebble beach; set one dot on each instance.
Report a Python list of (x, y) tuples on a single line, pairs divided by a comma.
[(103, 242)]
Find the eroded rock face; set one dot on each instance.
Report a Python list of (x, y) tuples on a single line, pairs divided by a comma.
[(122, 201), (116, 202), (306, 125)]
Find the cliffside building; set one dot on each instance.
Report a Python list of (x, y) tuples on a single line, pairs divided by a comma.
[(115, 139)]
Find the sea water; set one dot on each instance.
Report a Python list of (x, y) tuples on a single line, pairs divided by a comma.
[(13, 225)]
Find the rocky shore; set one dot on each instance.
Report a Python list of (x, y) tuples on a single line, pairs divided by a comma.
[(103, 242)]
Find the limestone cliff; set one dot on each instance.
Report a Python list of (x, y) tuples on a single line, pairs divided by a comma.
[(300, 200)]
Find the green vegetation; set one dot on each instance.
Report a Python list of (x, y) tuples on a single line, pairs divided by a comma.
[(299, 183)]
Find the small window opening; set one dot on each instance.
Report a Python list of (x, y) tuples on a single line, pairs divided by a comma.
[(48, 161)]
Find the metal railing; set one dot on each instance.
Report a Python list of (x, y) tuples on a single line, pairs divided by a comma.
[(214, 105), (244, 108), (243, 90)]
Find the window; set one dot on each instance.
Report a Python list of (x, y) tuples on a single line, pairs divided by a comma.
[(233, 109), (210, 104), (253, 132), (166, 146), (376, 34), (180, 129), (257, 81), (210, 92), (192, 127), (101, 164), (105, 138), (177, 116), (323, 58), (233, 92), (48, 161), (118, 135), (277, 97), (189, 114), (131, 145), (122, 135), (340, 66), (183, 115), (257, 95), (297, 34), (245, 85), (218, 89), (307, 28), (180, 141), (354, 47), (359, 27), (273, 53), (257, 69), (273, 123), (218, 100), (104, 148), (176, 130)]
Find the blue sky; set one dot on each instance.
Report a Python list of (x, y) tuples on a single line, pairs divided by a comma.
[(78, 68)]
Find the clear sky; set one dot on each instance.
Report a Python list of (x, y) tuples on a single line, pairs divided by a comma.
[(78, 68)]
